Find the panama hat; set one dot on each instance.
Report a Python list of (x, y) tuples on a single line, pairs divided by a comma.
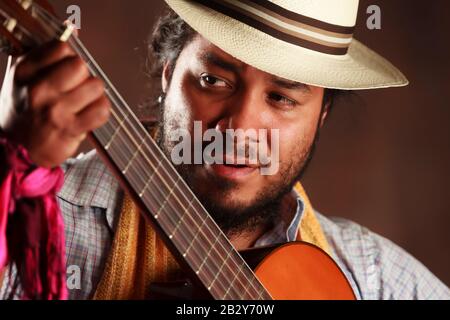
[(308, 41)]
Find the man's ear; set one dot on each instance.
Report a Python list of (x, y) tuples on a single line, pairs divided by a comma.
[(165, 77)]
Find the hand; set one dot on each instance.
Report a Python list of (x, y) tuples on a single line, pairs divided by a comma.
[(56, 103)]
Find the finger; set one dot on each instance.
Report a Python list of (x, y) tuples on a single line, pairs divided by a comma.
[(41, 58), (84, 95), (61, 78), (92, 117)]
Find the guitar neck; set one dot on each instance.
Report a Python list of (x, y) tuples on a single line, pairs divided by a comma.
[(144, 171), (167, 202)]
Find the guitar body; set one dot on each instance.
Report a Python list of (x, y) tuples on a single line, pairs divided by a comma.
[(291, 271), (299, 271)]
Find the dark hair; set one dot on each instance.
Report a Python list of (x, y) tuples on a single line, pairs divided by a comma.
[(169, 37)]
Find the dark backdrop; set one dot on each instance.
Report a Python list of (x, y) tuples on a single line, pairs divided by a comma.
[(383, 159)]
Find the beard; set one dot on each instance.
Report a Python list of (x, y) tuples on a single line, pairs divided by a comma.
[(232, 216)]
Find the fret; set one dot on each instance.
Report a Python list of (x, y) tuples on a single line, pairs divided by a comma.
[(195, 258), (154, 200), (222, 257), (180, 235), (237, 281), (198, 242), (133, 157), (200, 237), (199, 270), (134, 175), (116, 132), (161, 208), (177, 227), (199, 232), (210, 227), (220, 270), (119, 153), (230, 286), (105, 133), (250, 285), (149, 181)]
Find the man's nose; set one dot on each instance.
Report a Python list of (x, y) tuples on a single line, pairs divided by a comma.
[(242, 112)]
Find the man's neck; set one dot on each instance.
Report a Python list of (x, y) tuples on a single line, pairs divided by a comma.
[(247, 238)]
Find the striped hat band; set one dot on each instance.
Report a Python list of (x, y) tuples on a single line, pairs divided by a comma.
[(286, 25)]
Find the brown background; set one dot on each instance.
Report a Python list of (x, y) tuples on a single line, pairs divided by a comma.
[(383, 159)]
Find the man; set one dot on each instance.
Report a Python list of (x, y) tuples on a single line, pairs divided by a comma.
[(274, 65)]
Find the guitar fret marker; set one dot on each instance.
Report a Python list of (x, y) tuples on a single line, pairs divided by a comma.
[(116, 132), (163, 204)]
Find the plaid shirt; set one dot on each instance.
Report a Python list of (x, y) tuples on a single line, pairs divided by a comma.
[(90, 202)]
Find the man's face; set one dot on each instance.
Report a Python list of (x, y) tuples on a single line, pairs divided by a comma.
[(210, 86)]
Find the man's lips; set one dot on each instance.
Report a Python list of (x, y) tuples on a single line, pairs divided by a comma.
[(234, 168), (233, 172), (239, 162)]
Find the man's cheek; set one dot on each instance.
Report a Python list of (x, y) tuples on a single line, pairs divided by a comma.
[(272, 166)]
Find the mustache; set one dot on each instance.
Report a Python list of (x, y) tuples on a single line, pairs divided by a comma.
[(241, 150)]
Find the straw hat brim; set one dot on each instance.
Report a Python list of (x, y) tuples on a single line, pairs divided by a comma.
[(361, 68)]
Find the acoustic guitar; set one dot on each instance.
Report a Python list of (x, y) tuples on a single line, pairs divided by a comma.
[(215, 269)]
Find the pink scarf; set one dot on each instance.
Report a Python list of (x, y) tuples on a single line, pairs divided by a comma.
[(31, 226)]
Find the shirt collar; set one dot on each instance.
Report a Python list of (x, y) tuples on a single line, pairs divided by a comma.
[(283, 232)]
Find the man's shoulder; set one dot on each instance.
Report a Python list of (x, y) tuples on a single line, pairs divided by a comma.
[(380, 268), (88, 182)]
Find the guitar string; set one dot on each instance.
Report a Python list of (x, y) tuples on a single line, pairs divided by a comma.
[(224, 287), (174, 222), (101, 73), (152, 152), (183, 207)]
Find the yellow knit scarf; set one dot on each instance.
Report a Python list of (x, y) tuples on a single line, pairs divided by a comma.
[(139, 257)]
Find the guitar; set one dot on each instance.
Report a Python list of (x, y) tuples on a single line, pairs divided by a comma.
[(215, 269)]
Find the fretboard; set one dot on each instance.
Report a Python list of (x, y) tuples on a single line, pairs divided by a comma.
[(170, 202)]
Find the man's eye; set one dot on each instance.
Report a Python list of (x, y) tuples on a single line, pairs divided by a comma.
[(278, 98), (211, 81)]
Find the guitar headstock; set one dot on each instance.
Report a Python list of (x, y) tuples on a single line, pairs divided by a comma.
[(25, 24)]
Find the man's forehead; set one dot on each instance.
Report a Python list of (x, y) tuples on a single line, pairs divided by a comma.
[(209, 54)]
